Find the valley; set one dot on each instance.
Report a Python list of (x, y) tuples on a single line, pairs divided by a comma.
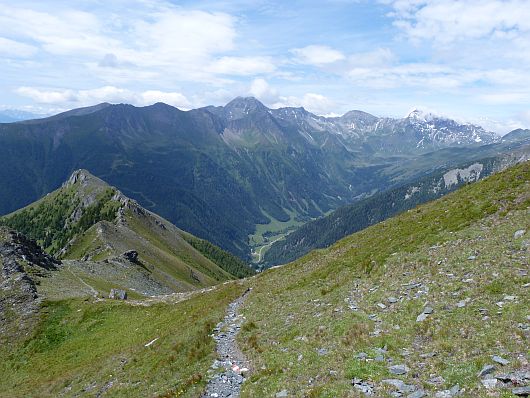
[(403, 306), (266, 234), (222, 173), (265, 199)]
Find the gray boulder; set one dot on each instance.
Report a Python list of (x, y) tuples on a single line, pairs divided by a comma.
[(521, 391), (519, 233), (118, 294)]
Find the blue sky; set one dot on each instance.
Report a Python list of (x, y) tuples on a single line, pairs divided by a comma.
[(465, 59)]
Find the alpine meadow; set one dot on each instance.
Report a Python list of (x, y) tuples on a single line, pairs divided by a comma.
[(311, 199)]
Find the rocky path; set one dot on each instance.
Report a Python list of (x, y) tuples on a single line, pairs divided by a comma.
[(231, 367), (93, 291)]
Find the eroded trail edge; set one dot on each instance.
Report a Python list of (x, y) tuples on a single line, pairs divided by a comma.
[(231, 368)]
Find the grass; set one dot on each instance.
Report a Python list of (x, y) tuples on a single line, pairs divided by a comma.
[(302, 308), (85, 347), (266, 233), (300, 332)]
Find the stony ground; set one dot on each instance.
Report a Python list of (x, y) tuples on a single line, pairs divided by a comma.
[(231, 367), (445, 318)]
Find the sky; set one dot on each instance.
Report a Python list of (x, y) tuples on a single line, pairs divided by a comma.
[(469, 60)]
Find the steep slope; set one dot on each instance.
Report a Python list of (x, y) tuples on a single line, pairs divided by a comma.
[(380, 206), (111, 348), (229, 174), (119, 241), (20, 261), (416, 305)]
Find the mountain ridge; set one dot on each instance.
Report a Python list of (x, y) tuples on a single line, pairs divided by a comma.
[(92, 224), (223, 177)]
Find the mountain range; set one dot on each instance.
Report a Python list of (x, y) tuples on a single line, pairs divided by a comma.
[(238, 173), (16, 115)]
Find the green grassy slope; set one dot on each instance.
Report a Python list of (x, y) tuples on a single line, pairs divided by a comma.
[(457, 255), (308, 322), (99, 348), (359, 215)]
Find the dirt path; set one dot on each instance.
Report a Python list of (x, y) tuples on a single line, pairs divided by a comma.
[(93, 291), (231, 368)]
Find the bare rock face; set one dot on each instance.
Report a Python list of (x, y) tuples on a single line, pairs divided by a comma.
[(118, 294), (77, 176), (131, 255), (20, 258)]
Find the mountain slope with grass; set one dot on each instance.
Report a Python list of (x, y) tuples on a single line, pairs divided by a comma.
[(94, 228), (421, 302), (417, 304), (382, 205)]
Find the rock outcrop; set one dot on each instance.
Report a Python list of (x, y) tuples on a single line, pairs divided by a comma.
[(20, 260)]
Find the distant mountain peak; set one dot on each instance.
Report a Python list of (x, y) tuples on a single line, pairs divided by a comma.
[(357, 115), (422, 115), (249, 101), (240, 107)]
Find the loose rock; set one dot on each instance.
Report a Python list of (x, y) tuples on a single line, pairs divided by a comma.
[(521, 391), (486, 370), (500, 360), (519, 233), (118, 294), (399, 369), (231, 366), (400, 385), (417, 394)]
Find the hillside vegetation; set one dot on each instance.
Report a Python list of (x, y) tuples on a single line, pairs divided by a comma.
[(228, 173), (440, 289), (348, 219), (91, 349), (108, 240), (418, 303)]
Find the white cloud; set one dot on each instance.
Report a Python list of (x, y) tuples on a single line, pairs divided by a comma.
[(317, 55), (260, 89), (171, 98), (77, 98), (426, 75), (501, 127), (244, 66), (377, 57), (14, 48), (157, 36), (447, 21), (48, 96), (498, 98), (445, 78)]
